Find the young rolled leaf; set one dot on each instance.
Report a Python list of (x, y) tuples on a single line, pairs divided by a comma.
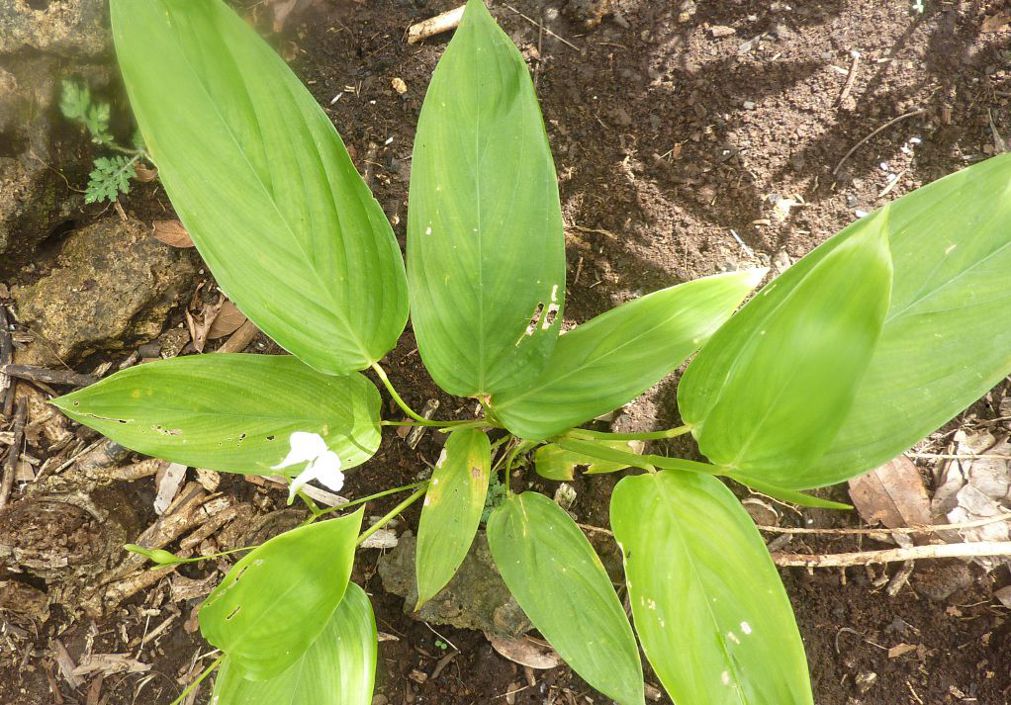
[(452, 510), (951, 247), (485, 246), (770, 390), (277, 600), (711, 613), (232, 413), (616, 356), (558, 580), (339, 668), (553, 462), (262, 182)]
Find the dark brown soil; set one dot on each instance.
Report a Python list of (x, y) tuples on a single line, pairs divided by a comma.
[(674, 137)]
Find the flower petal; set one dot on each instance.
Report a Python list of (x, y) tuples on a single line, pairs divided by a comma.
[(304, 446), (300, 481), (327, 469)]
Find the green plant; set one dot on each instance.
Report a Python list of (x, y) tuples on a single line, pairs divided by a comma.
[(110, 176), (837, 365)]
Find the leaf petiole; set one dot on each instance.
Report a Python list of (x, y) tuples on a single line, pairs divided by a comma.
[(363, 500), (587, 434), (393, 513), (381, 373)]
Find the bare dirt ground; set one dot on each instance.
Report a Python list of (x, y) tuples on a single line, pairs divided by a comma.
[(690, 138)]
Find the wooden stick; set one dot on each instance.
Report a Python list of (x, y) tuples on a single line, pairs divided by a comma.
[(11, 463), (240, 338), (6, 358), (942, 550), (920, 529), (435, 25), (30, 373)]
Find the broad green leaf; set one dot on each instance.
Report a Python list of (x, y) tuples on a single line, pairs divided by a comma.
[(553, 462), (452, 510), (262, 182), (339, 668), (558, 580), (711, 613), (275, 602), (485, 247), (616, 356), (946, 338), (770, 390), (232, 413)]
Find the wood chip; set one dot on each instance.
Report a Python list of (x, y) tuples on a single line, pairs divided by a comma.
[(900, 650), (169, 483)]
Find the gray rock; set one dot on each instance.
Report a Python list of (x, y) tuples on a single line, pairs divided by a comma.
[(36, 168), (113, 286), (476, 598), (71, 28)]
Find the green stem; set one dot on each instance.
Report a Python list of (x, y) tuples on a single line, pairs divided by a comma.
[(363, 500), (381, 373), (587, 434), (391, 515), (206, 672)]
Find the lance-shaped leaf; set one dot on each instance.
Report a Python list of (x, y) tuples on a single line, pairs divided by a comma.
[(771, 388), (232, 413), (951, 247), (559, 581), (339, 668), (709, 608), (616, 356), (277, 600), (485, 247), (262, 182), (452, 510)]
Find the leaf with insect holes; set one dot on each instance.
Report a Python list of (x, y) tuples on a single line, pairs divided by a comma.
[(339, 667), (277, 600), (452, 510), (710, 610), (616, 356), (110, 177), (262, 182), (485, 246), (558, 580), (230, 412)]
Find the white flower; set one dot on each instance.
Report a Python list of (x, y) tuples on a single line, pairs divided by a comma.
[(323, 464)]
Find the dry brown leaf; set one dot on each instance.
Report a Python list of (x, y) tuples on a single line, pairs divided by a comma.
[(892, 494), (200, 317), (525, 651), (110, 664), (145, 174), (172, 233), (227, 321), (996, 21)]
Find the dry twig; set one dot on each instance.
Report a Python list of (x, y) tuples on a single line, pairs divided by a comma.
[(435, 25), (6, 357), (865, 140), (892, 555), (30, 373), (11, 463)]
